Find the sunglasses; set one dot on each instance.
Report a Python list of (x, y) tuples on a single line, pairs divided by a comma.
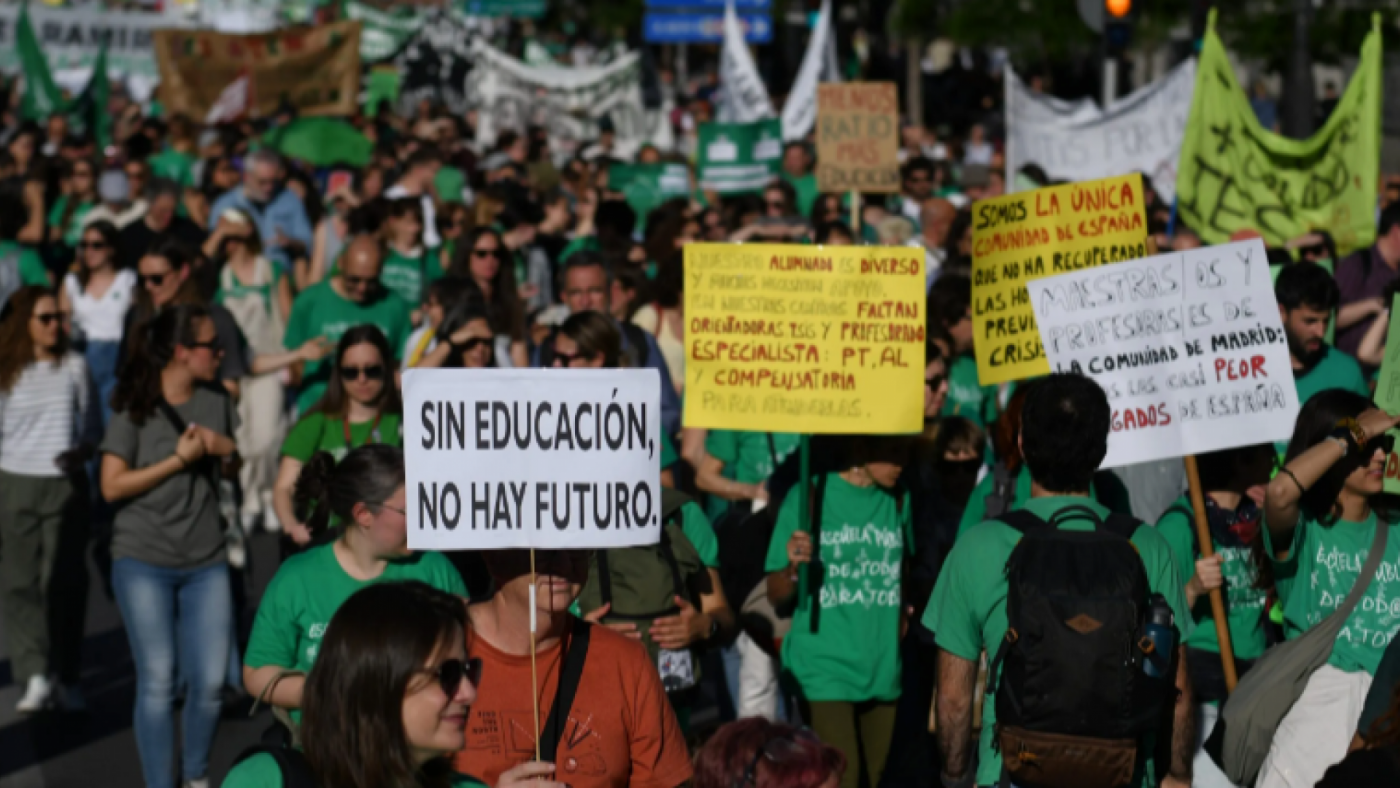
[(84, 246), (486, 253), (451, 672), (360, 281), (212, 345), (471, 344), (372, 372), (1384, 442), (151, 280), (565, 359), (935, 381), (48, 318)]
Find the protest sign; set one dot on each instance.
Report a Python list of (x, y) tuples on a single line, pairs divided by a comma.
[(1076, 142), (858, 137), (525, 458), (316, 70), (647, 186), (1022, 237), (384, 33), (739, 157), (1189, 347), (818, 65), (435, 62), (743, 95), (71, 38), (1235, 175), (1388, 393), (567, 101), (810, 339)]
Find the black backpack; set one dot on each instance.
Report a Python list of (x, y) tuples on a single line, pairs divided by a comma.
[(743, 536), (291, 762), (1074, 703)]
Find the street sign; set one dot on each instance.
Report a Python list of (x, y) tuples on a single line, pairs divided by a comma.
[(741, 5), (699, 28)]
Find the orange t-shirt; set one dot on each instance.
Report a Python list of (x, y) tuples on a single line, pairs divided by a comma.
[(620, 733)]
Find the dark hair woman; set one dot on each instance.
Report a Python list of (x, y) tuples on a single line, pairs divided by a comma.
[(65, 219), (588, 339), (96, 297), (388, 700), (49, 425), (1318, 515), (364, 495), (361, 406), (664, 317), (169, 431), (482, 257), (756, 753)]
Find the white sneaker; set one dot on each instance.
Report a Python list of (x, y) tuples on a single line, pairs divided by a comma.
[(270, 521), (249, 521), (236, 550), (203, 782), (71, 698), (36, 695)]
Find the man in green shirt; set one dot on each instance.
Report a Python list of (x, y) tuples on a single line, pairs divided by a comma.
[(797, 171), (1064, 438), (950, 311), (352, 297)]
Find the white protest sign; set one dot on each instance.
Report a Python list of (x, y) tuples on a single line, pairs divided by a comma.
[(555, 459), (1141, 132), (1188, 346)]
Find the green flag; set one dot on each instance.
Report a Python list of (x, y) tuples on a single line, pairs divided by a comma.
[(1234, 175), (739, 157), (647, 186), (41, 96), (320, 142), (88, 111)]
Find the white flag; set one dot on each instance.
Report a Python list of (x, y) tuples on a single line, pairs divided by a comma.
[(231, 104), (745, 98), (818, 65)]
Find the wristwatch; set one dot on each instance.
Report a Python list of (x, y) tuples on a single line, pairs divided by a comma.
[(1349, 434)]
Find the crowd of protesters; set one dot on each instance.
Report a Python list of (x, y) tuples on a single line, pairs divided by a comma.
[(203, 340)]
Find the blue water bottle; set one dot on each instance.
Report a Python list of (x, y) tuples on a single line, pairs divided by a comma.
[(1160, 629)]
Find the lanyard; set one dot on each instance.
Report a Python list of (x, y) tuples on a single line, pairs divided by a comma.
[(373, 431)]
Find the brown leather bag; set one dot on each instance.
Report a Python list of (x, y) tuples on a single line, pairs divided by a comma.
[(1052, 760)]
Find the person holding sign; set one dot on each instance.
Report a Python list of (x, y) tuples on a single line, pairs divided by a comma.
[(365, 494), (1233, 482), (843, 651), (1320, 529), (361, 406)]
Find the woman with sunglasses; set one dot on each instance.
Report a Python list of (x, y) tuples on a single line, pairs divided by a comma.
[(756, 753), (465, 339), (49, 427), (361, 406), (394, 673), (171, 427), (483, 258), (588, 340), (1319, 525), (79, 196), (362, 496), (96, 296)]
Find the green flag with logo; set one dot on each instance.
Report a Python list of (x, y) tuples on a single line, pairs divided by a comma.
[(88, 112), (1235, 175), (739, 157), (647, 186), (41, 96)]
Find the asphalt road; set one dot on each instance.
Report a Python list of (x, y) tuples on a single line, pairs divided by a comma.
[(98, 749)]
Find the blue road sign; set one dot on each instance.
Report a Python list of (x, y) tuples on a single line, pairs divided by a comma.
[(698, 28), (681, 5)]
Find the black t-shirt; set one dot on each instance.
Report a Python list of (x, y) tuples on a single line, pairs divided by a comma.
[(1365, 768), (137, 239)]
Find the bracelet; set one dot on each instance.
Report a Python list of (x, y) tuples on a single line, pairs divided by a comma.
[(1301, 489)]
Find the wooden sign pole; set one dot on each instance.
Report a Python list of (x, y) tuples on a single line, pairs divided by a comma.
[(1217, 599), (855, 217), (534, 677), (804, 518)]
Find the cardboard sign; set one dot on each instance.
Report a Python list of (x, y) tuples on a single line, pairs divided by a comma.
[(1388, 393), (316, 70), (1022, 237), (1189, 347), (547, 458), (858, 137), (814, 339)]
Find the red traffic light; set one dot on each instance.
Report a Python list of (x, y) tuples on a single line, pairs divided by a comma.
[(1118, 9)]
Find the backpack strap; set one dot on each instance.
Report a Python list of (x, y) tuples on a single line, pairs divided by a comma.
[(677, 587), (1124, 525), (295, 771), (1021, 520), (569, 676), (998, 501), (815, 567), (605, 577), (772, 450)]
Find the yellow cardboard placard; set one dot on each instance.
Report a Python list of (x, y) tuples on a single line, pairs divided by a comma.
[(810, 339), (1025, 236)]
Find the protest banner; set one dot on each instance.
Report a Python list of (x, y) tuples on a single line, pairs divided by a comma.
[(527, 458), (1078, 142), (743, 95), (734, 158), (1235, 175), (316, 70), (435, 62), (569, 102), (383, 33), (858, 137), (807, 339), (1019, 238), (1388, 393), (818, 65), (647, 186), (1189, 347), (71, 38)]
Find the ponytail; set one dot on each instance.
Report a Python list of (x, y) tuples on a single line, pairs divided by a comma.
[(368, 475), (148, 352)]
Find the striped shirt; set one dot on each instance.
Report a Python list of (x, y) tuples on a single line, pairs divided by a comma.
[(50, 409)]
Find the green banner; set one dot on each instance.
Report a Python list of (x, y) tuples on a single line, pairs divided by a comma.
[(647, 186), (1388, 391), (383, 33), (1235, 175), (739, 157)]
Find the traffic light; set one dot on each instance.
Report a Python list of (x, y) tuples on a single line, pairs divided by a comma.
[(1118, 17)]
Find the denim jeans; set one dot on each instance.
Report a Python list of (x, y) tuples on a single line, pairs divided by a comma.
[(197, 637), (101, 359)]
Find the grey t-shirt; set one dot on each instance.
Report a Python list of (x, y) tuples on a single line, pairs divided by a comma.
[(176, 523)]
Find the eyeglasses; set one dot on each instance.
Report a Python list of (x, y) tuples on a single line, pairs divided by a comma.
[(359, 281), (84, 246), (451, 672), (935, 381), (777, 750), (212, 346), (565, 359), (48, 318), (372, 372), (393, 509), (151, 280)]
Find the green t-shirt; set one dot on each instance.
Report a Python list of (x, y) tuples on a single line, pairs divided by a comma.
[(1105, 488), (319, 311), (406, 276), (1322, 565), (1244, 604), (73, 231), (448, 183), (806, 188), (261, 771), (173, 165), (668, 452), (31, 266), (967, 611), (746, 458), (966, 397), (587, 243), (854, 655), (696, 527), (310, 587), (268, 291), (1336, 370), (318, 432)]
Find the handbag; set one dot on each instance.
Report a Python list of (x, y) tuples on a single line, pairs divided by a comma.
[(1251, 716)]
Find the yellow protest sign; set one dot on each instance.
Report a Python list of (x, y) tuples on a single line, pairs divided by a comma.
[(1025, 236), (812, 339)]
